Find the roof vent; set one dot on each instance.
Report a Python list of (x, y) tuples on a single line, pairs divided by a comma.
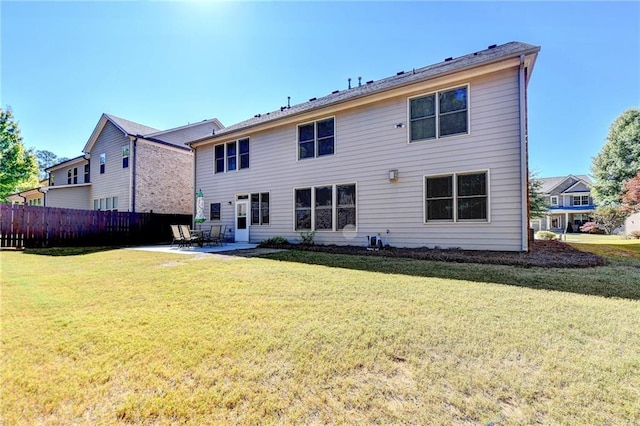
[(370, 81), (334, 92), (450, 58), (312, 99), (400, 73), (213, 131), (493, 46), (257, 115)]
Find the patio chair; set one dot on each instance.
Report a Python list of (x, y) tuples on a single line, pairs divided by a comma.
[(213, 236), (177, 236), (189, 236)]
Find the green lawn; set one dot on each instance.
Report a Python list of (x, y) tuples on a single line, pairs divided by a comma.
[(117, 337)]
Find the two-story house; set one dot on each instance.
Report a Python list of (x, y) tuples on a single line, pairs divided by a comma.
[(31, 197), (127, 166), (570, 203), (433, 156)]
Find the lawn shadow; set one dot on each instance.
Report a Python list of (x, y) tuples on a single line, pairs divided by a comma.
[(67, 251), (617, 279)]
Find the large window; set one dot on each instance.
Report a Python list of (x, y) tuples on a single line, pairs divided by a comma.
[(457, 197), (231, 156), (86, 173), (260, 208), (439, 114), (316, 139), (580, 200), (326, 208)]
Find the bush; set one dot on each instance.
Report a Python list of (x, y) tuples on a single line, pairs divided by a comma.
[(307, 237), (274, 241), (591, 228), (546, 235), (635, 234)]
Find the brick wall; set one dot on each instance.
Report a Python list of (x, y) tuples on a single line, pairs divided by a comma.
[(164, 179)]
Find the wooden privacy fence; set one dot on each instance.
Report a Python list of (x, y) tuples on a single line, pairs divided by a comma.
[(33, 226)]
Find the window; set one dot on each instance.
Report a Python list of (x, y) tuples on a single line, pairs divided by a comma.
[(334, 208), (580, 200), (72, 176), (102, 203), (439, 114), (260, 208), (114, 204), (214, 211), (96, 204), (316, 139), (86, 173), (103, 162), (457, 197), (108, 207), (234, 155), (125, 156), (554, 200)]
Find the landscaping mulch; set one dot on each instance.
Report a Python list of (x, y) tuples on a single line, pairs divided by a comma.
[(547, 254)]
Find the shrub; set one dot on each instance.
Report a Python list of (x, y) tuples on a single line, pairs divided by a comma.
[(546, 235), (274, 241), (635, 234), (307, 237), (591, 228)]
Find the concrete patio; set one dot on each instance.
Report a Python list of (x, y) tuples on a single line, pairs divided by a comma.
[(195, 249)]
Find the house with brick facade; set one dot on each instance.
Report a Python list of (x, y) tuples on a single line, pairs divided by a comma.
[(127, 166), (433, 156)]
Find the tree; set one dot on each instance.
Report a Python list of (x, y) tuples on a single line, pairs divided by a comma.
[(631, 195), (45, 160), (619, 159), (18, 167), (537, 203), (609, 217)]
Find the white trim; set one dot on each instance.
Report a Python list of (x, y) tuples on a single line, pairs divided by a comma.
[(551, 197), (437, 113), (315, 138), (334, 207), (455, 219)]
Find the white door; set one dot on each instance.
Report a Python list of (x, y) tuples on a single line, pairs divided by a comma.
[(242, 223)]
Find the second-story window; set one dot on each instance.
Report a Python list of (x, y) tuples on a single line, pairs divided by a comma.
[(580, 200), (231, 156), (86, 173), (316, 139), (439, 114), (72, 176), (103, 162), (125, 156), (554, 200)]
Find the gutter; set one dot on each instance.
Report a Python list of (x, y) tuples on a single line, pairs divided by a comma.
[(44, 201), (524, 160), (133, 172)]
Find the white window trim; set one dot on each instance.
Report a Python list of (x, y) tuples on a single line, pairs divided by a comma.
[(551, 200), (455, 219), (226, 155), (315, 140), (262, 225), (334, 207), (435, 92)]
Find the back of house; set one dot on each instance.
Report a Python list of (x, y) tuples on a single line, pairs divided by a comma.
[(435, 157)]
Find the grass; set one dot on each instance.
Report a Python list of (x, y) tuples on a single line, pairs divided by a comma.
[(121, 337)]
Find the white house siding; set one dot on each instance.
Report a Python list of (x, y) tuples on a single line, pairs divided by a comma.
[(164, 179), (69, 197), (368, 145), (632, 224), (115, 182)]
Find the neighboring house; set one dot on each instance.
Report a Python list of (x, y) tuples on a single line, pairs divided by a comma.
[(434, 156), (632, 224), (31, 197), (570, 203), (127, 166)]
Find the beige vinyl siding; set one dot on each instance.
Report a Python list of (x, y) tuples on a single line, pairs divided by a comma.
[(71, 197), (60, 174), (116, 181), (367, 145)]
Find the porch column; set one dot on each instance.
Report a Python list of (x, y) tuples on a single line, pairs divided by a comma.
[(548, 222), (566, 221)]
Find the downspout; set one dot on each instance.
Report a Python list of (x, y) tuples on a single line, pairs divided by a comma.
[(194, 206), (44, 198), (133, 173), (524, 167), (24, 199)]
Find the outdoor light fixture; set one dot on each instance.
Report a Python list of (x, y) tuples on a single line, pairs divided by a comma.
[(393, 175)]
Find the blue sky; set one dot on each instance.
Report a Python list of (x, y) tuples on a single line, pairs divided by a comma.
[(166, 64)]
